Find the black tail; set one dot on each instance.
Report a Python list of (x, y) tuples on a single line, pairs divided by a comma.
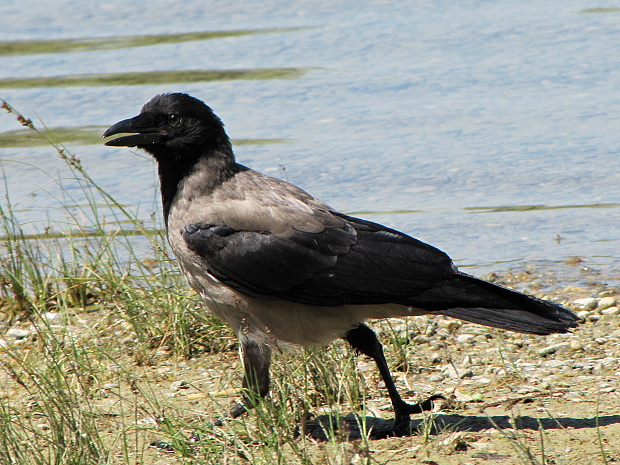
[(472, 299)]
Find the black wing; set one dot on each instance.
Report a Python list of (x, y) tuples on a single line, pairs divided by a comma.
[(365, 263), (358, 263)]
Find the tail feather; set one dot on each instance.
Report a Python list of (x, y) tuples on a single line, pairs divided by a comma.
[(519, 321), (477, 301)]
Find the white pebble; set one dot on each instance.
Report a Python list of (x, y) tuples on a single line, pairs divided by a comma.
[(606, 302), (458, 373), (554, 363), (576, 344), (589, 303), (465, 338), (18, 333), (613, 311), (583, 314)]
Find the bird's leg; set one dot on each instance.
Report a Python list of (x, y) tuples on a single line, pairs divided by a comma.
[(365, 341), (256, 361)]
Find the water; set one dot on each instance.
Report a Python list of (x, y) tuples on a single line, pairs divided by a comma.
[(489, 129)]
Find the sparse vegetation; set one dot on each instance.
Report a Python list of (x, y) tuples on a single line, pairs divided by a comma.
[(104, 349)]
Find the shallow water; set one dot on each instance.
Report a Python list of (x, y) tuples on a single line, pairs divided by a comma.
[(489, 129)]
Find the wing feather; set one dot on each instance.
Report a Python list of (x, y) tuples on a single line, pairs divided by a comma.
[(355, 262)]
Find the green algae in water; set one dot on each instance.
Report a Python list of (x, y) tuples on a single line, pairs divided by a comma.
[(527, 208), (153, 77), (29, 47), (600, 10)]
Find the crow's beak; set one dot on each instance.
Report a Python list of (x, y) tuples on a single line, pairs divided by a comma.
[(135, 134)]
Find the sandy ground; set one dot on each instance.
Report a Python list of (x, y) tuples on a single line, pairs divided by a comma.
[(510, 398)]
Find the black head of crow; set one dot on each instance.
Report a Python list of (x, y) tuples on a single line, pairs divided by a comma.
[(280, 266), (174, 125), (178, 130)]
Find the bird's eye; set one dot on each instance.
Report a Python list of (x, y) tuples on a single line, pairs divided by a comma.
[(174, 119)]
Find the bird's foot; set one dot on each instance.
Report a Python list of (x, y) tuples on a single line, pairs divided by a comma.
[(420, 407), (402, 421), (170, 447), (236, 411)]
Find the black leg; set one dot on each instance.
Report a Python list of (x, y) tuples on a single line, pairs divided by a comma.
[(256, 361), (365, 341)]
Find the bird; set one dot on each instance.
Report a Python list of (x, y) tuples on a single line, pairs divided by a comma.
[(283, 268)]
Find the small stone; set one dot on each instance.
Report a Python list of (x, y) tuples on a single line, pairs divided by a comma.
[(551, 349), (465, 338), (583, 314), (593, 317), (436, 377), (575, 344), (608, 361), (554, 364), (18, 333), (606, 302), (458, 373), (178, 385), (51, 316), (613, 311), (109, 386), (450, 325), (435, 357), (589, 303)]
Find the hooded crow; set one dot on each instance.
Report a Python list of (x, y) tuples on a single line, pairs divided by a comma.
[(281, 267)]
